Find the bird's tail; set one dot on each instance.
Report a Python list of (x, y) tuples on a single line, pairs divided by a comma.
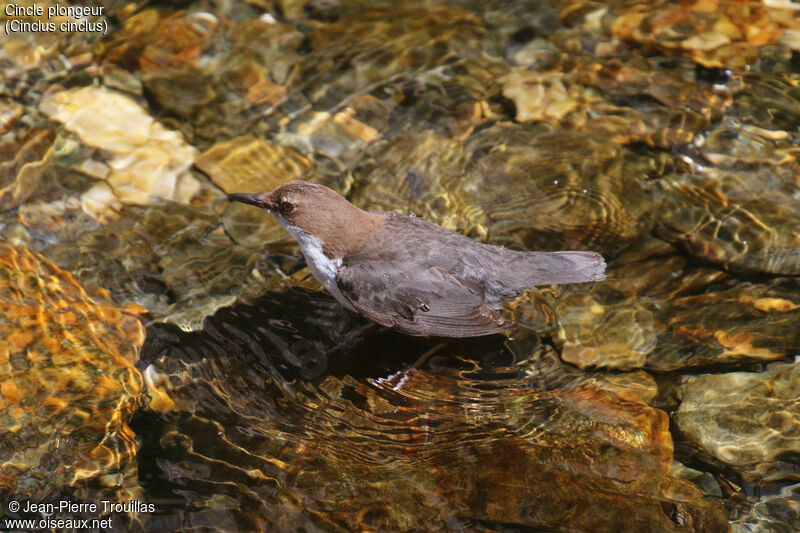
[(566, 267)]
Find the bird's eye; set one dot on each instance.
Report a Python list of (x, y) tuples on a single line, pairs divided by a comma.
[(286, 207)]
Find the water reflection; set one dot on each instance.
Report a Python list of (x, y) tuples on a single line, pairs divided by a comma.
[(471, 436)]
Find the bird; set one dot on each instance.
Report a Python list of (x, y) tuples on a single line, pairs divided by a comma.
[(407, 273)]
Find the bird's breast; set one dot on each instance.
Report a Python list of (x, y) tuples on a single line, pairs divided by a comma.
[(323, 268)]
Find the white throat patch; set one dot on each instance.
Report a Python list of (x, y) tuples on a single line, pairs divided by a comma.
[(322, 267)]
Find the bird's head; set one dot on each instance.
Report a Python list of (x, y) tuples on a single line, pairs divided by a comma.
[(306, 208), (299, 203)]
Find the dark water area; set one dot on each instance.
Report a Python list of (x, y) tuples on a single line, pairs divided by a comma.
[(167, 350)]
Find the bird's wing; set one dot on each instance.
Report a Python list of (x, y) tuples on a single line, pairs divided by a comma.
[(430, 302)]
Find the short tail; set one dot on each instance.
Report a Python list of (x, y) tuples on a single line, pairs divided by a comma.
[(566, 267)]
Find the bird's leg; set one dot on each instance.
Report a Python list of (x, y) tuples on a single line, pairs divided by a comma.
[(427, 355), (355, 336)]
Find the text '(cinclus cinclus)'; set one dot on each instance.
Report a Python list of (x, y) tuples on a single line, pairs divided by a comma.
[(409, 274)]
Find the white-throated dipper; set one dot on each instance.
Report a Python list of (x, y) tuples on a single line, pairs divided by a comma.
[(409, 274)]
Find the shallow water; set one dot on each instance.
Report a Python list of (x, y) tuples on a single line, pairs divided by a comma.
[(660, 134)]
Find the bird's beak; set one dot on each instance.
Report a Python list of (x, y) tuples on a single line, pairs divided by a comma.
[(258, 200)]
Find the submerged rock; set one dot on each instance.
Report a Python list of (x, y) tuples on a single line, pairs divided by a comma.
[(736, 206), (780, 512), (712, 32), (733, 219), (22, 162), (632, 99), (749, 421), (68, 384), (589, 334), (145, 161), (357, 53), (538, 96), (744, 323), (249, 164)]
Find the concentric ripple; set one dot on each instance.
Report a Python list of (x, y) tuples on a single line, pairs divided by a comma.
[(420, 439)]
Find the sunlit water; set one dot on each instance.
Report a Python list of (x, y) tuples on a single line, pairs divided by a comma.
[(660, 134)]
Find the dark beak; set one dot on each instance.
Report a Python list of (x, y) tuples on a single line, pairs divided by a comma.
[(252, 199)]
